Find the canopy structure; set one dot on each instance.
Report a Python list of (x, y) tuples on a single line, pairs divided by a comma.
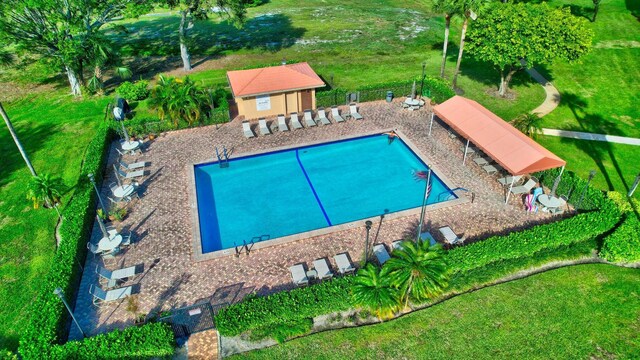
[(510, 148)]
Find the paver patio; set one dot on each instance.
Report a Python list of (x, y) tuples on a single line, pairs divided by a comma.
[(161, 220)]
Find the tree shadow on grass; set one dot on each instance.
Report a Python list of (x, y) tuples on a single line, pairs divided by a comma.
[(634, 7), (581, 11)]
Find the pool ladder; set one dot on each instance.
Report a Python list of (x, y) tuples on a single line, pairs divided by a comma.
[(248, 246), (223, 157)]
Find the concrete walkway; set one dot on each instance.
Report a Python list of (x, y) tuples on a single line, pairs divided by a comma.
[(553, 95), (590, 136)]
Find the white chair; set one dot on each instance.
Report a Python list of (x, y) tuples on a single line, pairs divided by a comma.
[(264, 129), (322, 116), (490, 169), (110, 278), (128, 175), (381, 253), (424, 236), (449, 235), (343, 264), (282, 125), (396, 245), (295, 122), (246, 128), (308, 120), (298, 275), (94, 249), (508, 179), (481, 161), (322, 268), (336, 115), (100, 296), (353, 108), (133, 166), (523, 189)]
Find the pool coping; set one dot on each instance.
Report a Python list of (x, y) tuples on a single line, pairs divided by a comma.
[(196, 241)]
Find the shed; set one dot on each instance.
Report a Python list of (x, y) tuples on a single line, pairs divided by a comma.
[(274, 90)]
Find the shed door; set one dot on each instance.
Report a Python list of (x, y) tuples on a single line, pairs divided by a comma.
[(306, 99)]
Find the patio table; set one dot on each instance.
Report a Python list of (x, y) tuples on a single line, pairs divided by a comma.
[(130, 146), (109, 243), (123, 191), (548, 201)]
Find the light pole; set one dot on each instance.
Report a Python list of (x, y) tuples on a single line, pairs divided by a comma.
[(592, 173), (634, 186), (58, 291), (368, 224), (93, 181)]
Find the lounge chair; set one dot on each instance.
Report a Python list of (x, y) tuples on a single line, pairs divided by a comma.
[(424, 236), (490, 169), (344, 264), (246, 128), (396, 245), (282, 125), (128, 175), (336, 115), (381, 253), (523, 189), (298, 275), (322, 268), (449, 235), (295, 122), (100, 296), (308, 120), (353, 109), (112, 277), (481, 161), (508, 179), (264, 129), (322, 116), (133, 166)]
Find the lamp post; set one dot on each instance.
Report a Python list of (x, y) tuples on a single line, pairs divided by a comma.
[(93, 181), (58, 291), (368, 224), (592, 173), (424, 65), (634, 186)]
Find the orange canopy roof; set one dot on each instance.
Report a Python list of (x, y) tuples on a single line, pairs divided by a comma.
[(273, 79), (514, 151)]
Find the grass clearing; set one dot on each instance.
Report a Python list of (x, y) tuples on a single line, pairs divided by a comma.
[(587, 311)]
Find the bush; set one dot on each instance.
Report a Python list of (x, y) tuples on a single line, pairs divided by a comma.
[(269, 312), (623, 244), (134, 91), (284, 331)]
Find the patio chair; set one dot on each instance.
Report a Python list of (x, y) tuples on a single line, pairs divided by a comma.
[(481, 161), (424, 236), (381, 253), (523, 189), (133, 166), (490, 169), (344, 264), (246, 129), (264, 129), (322, 116), (282, 125), (111, 278), (298, 275), (126, 240), (336, 115), (100, 296), (295, 122), (308, 120), (508, 179), (94, 249), (449, 235), (353, 109), (322, 268), (109, 258), (396, 245), (128, 175)]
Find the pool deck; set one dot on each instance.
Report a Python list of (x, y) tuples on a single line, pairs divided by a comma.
[(161, 221)]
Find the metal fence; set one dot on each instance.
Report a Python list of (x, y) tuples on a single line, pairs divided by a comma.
[(192, 319)]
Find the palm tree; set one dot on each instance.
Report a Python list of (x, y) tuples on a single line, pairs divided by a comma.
[(178, 99), (44, 189), (447, 7), (103, 54), (467, 8), (371, 290), (528, 124), (12, 131), (418, 270)]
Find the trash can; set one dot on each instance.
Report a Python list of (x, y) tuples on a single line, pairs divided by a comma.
[(389, 96)]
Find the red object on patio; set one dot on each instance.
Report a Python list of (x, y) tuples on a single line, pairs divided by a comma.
[(513, 150)]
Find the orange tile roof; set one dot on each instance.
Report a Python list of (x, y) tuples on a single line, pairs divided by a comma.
[(273, 79), (514, 151)]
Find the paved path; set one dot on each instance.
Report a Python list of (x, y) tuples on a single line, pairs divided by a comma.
[(203, 345), (590, 136), (553, 95)]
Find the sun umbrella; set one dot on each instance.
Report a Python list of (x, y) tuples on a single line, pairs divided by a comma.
[(102, 227), (124, 130)]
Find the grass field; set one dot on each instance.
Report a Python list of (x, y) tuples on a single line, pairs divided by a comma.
[(54, 131), (582, 312)]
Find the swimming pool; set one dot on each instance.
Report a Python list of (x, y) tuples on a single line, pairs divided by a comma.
[(281, 193)]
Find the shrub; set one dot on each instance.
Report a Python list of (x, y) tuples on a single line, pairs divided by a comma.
[(623, 244), (134, 91), (284, 331)]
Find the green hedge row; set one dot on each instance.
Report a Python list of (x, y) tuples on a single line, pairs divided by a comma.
[(48, 317), (285, 307), (623, 244)]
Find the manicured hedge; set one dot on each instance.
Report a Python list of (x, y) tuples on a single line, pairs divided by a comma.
[(623, 244), (285, 307)]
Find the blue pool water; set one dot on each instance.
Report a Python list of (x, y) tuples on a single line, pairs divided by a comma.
[(287, 192)]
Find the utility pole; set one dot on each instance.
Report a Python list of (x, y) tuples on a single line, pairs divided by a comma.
[(15, 139)]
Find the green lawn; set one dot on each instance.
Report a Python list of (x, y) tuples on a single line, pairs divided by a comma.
[(587, 311), (54, 129)]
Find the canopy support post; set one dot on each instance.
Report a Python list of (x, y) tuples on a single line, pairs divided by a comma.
[(464, 159), (513, 179), (431, 124)]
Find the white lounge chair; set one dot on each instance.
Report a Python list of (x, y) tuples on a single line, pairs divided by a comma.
[(128, 175), (100, 296), (481, 161), (133, 166), (343, 264), (295, 122), (112, 277), (396, 245), (449, 235), (508, 179), (322, 268), (264, 129), (322, 116), (523, 189), (381, 253), (336, 115), (490, 169), (308, 120), (424, 236), (353, 108), (282, 125), (298, 275), (246, 128)]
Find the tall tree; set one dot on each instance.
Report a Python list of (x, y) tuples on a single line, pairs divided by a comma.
[(511, 36), (596, 7), (448, 8), (468, 8), (192, 10), (12, 131), (62, 32)]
